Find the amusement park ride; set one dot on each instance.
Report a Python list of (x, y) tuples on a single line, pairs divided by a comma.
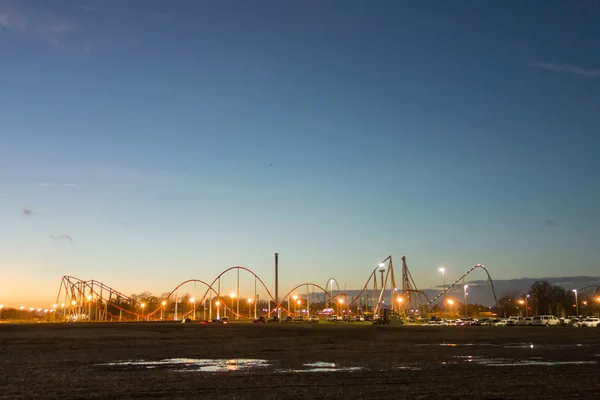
[(100, 302)]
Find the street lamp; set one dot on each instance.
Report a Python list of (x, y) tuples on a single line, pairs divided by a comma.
[(143, 305), (164, 303), (295, 297), (193, 301), (1, 307), (466, 294), (22, 308), (443, 271), (576, 302), (341, 301), (218, 303), (249, 306), (232, 295)]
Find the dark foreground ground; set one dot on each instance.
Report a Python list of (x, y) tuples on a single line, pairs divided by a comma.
[(63, 361)]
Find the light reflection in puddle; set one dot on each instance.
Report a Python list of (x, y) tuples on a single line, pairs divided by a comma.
[(507, 362), (321, 366), (192, 364), (507, 345)]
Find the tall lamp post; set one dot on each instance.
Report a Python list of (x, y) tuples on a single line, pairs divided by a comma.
[(466, 294), (443, 271), (218, 304), (143, 305), (249, 307), (193, 301), (1, 307), (341, 301), (22, 308), (164, 303), (232, 295), (526, 306), (295, 297), (576, 302)]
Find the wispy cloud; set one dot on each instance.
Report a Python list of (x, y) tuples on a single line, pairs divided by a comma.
[(46, 184), (61, 237), (550, 222), (47, 28), (571, 69)]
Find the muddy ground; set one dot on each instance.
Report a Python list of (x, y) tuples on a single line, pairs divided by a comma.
[(67, 361)]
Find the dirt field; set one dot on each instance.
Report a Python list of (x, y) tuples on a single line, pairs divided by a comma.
[(80, 361)]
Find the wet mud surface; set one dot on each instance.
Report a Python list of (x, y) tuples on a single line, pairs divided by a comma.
[(240, 361)]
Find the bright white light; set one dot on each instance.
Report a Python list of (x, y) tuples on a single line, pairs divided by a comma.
[(466, 287), (442, 270)]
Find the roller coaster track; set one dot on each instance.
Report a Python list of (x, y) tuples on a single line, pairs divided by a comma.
[(79, 296), (432, 302), (76, 291)]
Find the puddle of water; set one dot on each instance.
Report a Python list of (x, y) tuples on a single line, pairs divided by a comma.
[(508, 362), (192, 364), (321, 366)]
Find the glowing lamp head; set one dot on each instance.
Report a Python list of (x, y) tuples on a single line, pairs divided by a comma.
[(164, 303), (450, 301), (341, 301), (73, 303), (400, 299), (382, 267), (249, 300), (143, 305), (89, 297), (295, 297), (218, 303), (22, 307), (442, 270), (192, 300), (232, 295)]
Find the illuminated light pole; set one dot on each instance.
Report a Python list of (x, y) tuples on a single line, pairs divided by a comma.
[(466, 294), (299, 302), (218, 303), (232, 295), (295, 297), (22, 308), (576, 302), (143, 305), (331, 290), (341, 301), (89, 299), (193, 301), (443, 271), (521, 302), (164, 303), (249, 307), (451, 303), (1, 307), (527, 306)]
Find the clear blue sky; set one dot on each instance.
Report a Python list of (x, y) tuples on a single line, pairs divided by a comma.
[(171, 140)]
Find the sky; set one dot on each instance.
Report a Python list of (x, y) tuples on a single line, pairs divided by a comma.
[(144, 143)]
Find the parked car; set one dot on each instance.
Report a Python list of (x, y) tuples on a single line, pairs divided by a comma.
[(502, 322), (544, 320), (186, 320), (590, 322), (332, 318), (259, 320), (525, 321), (313, 319), (298, 318), (288, 319), (513, 321), (273, 320), (225, 320)]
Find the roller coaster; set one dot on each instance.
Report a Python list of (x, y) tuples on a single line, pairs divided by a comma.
[(91, 300)]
